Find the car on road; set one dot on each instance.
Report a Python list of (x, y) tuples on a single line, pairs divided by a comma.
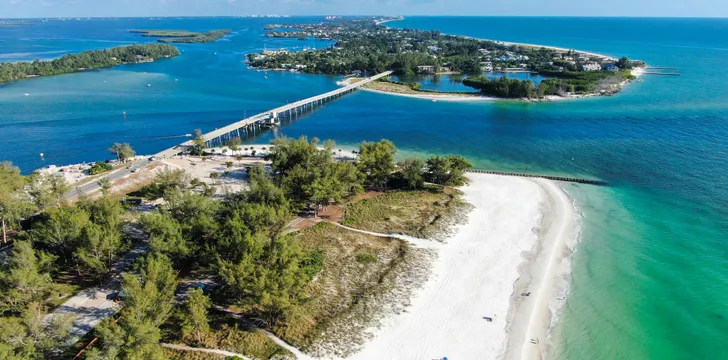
[(153, 158), (135, 170)]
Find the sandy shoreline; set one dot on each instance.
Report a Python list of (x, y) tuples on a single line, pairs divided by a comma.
[(513, 240), (509, 43), (636, 72)]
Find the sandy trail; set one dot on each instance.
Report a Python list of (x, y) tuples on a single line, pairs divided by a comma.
[(417, 242), (209, 351)]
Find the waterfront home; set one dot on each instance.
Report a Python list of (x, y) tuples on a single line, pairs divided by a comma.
[(426, 69), (610, 67), (591, 67), (487, 65)]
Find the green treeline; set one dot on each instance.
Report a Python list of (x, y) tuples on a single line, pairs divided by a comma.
[(184, 36), (91, 59), (504, 87), (582, 82), (238, 240)]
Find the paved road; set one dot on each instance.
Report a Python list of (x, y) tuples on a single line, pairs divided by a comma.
[(92, 305), (113, 176)]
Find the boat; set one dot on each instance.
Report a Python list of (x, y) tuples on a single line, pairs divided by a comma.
[(26, 94), (149, 85)]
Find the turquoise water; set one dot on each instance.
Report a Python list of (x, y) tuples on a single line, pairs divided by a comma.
[(650, 273)]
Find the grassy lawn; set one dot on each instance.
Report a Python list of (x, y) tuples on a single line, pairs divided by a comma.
[(422, 213), (356, 268)]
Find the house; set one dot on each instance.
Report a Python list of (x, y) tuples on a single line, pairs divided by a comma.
[(591, 67), (610, 67), (425, 69)]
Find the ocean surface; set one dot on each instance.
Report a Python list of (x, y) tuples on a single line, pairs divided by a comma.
[(650, 273)]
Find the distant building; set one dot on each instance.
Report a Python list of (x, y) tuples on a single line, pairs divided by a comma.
[(426, 69), (591, 67), (275, 52), (610, 67)]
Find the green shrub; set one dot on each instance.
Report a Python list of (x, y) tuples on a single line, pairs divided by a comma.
[(365, 258), (99, 167)]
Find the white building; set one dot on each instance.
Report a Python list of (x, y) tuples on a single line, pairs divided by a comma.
[(591, 67)]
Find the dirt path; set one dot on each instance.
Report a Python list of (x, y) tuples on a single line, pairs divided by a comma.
[(210, 351)]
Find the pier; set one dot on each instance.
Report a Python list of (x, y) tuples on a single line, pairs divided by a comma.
[(549, 177), (253, 124)]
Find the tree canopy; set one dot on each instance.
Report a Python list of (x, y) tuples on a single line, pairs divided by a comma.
[(86, 60)]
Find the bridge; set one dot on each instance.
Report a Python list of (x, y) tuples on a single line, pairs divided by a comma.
[(242, 128)]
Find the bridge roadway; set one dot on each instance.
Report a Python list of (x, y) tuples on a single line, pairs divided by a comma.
[(219, 137)]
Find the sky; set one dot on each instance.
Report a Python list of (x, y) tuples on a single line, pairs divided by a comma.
[(122, 8)]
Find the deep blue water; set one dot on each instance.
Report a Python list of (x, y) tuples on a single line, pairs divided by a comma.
[(651, 269)]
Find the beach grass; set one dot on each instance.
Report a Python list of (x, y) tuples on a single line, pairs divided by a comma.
[(190, 355), (227, 333), (358, 268), (426, 213)]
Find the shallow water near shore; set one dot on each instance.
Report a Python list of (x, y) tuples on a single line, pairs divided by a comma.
[(649, 273)]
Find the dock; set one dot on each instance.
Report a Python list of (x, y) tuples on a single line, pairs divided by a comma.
[(255, 123), (549, 177), (660, 73)]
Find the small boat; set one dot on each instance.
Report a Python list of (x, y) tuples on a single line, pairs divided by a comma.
[(149, 85), (26, 94)]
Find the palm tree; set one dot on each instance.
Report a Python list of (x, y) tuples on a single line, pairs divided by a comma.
[(123, 151), (199, 140), (116, 149), (234, 144)]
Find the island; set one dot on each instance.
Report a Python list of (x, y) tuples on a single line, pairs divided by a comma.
[(183, 36), (364, 46), (87, 60)]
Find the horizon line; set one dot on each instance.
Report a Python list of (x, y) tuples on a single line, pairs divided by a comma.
[(364, 15)]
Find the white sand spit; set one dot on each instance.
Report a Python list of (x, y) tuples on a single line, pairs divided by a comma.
[(531, 319), (473, 278)]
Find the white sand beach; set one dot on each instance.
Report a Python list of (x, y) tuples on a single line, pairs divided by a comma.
[(475, 277)]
